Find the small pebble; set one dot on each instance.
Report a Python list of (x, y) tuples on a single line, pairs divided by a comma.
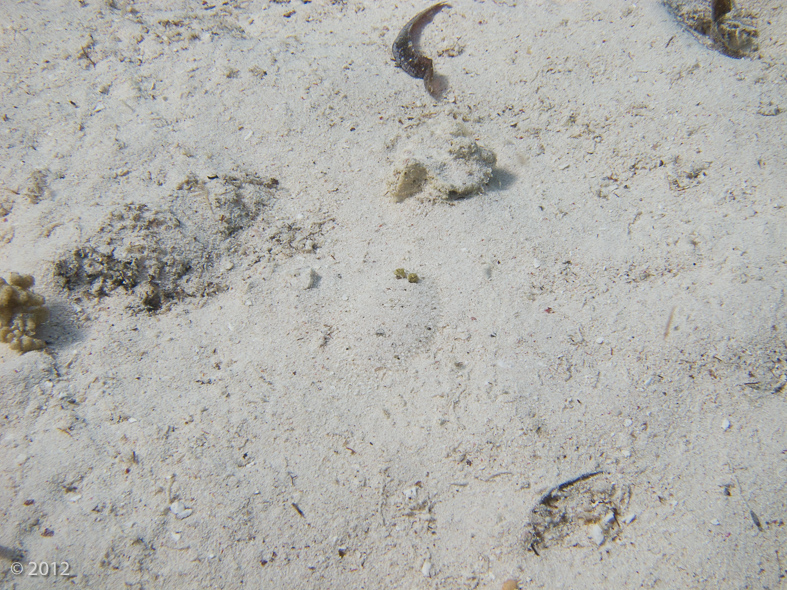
[(629, 518), (426, 569), (715, 522), (597, 535), (725, 425), (599, 341), (511, 585), (179, 510), (306, 278)]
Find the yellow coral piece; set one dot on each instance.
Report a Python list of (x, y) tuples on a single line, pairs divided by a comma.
[(21, 312), (21, 281)]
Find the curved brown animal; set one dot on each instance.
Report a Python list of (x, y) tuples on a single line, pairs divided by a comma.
[(407, 55)]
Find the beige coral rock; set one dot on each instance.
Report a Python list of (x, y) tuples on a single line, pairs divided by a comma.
[(21, 312)]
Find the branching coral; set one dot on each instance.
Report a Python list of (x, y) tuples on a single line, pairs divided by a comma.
[(21, 312)]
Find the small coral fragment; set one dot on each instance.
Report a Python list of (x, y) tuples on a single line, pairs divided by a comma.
[(409, 180), (21, 312), (6, 204), (37, 186), (411, 277)]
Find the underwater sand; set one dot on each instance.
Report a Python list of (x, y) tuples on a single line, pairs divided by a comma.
[(237, 390)]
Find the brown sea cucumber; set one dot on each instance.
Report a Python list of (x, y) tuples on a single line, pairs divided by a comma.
[(409, 58)]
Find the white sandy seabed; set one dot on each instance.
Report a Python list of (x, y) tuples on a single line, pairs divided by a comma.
[(238, 392)]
